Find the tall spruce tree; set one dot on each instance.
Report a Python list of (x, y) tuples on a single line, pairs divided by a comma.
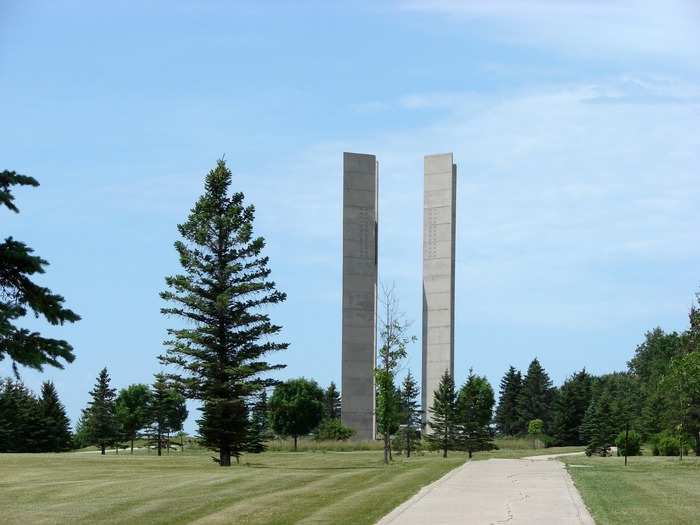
[(55, 426), (411, 413), (508, 422), (570, 408), (221, 294), (474, 413), (599, 428), (536, 396), (20, 418), (19, 296), (167, 412), (443, 416), (332, 401), (103, 428)]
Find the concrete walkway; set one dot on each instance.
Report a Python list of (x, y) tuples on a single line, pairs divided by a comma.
[(494, 492)]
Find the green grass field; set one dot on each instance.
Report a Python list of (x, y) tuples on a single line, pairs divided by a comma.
[(270, 488), (648, 491)]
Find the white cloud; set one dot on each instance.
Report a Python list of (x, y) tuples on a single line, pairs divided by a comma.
[(557, 194), (656, 27)]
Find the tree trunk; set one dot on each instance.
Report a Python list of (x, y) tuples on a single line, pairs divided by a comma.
[(386, 449), (627, 433), (295, 443), (167, 442), (102, 449), (132, 446), (224, 457), (160, 443), (470, 453), (408, 444)]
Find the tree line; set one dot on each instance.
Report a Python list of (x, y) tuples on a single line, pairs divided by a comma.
[(219, 352), (656, 400)]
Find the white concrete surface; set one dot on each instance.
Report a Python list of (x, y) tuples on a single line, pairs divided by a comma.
[(439, 222), (497, 491)]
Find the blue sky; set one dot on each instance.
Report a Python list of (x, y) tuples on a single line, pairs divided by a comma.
[(575, 127)]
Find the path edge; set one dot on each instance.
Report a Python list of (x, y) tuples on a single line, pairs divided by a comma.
[(392, 516)]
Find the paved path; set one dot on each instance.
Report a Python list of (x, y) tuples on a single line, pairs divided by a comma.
[(496, 492)]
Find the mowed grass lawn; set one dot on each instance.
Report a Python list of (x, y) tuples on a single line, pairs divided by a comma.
[(650, 490), (270, 488)]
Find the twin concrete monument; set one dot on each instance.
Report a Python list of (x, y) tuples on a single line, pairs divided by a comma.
[(360, 272)]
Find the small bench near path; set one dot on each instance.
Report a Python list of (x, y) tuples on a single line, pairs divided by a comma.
[(497, 491)]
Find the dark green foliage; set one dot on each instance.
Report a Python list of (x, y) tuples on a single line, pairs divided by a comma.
[(650, 364), (220, 296), (81, 437), (536, 396), (668, 443), (629, 443), (332, 402), (474, 409), (508, 421), (443, 416), (133, 410), (259, 430), (296, 408), (54, 435), (411, 414), (20, 418), (19, 296), (333, 430), (599, 428), (167, 412), (100, 417), (570, 408)]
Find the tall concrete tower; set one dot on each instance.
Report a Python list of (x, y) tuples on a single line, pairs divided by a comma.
[(360, 212), (439, 203)]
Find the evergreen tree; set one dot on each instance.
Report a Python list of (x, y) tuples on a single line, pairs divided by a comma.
[(167, 412), (133, 407), (55, 435), (410, 412), (443, 416), (332, 401), (598, 428), (19, 296), (536, 396), (20, 419), (508, 422), (296, 408), (259, 425), (103, 428), (475, 403), (570, 408), (220, 294)]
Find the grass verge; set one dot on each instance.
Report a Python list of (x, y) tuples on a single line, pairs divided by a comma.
[(650, 490)]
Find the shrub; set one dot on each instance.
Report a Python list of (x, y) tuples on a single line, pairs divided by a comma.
[(332, 430), (634, 444), (535, 427), (668, 444)]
